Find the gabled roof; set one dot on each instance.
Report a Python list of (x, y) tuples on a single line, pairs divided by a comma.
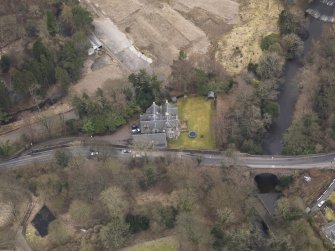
[(149, 140), (150, 126), (169, 109), (154, 109)]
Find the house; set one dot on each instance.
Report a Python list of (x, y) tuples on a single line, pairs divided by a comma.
[(157, 124), (329, 231), (96, 45)]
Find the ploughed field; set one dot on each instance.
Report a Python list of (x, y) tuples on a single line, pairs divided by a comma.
[(159, 29)]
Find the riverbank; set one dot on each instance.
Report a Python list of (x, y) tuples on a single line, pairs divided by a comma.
[(289, 91)]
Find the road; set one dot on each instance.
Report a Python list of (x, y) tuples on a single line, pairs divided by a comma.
[(324, 196), (321, 161)]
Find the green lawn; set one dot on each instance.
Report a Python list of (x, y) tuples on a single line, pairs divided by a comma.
[(164, 244), (197, 111), (329, 214), (332, 198)]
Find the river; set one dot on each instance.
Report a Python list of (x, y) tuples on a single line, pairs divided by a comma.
[(273, 141)]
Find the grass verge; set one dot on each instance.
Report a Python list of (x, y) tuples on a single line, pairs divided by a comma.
[(164, 244)]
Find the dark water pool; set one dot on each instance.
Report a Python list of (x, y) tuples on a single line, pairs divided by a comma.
[(42, 221), (266, 182)]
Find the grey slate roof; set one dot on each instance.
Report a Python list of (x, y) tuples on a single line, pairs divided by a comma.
[(158, 118), (149, 140), (329, 231), (155, 123)]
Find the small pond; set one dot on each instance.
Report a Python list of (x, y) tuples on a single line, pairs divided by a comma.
[(42, 220)]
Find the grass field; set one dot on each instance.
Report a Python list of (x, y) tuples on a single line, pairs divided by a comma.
[(197, 111), (164, 244), (332, 198), (329, 214)]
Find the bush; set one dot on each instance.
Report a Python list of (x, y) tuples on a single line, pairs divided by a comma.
[(269, 40), (62, 158), (137, 223), (293, 45), (329, 203), (115, 234), (249, 146), (228, 85), (270, 66), (252, 68), (270, 107), (80, 212), (276, 48), (286, 211), (290, 23), (5, 149), (218, 236), (150, 178), (5, 63), (58, 233), (31, 30), (285, 181), (168, 216), (51, 24), (182, 55)]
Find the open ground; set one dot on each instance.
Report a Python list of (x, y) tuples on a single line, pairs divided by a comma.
[(160, 29)]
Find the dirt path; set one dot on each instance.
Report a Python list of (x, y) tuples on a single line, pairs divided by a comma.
[(96, 79), (20, 243)]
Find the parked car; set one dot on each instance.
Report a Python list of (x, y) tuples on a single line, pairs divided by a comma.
[(126, 151), (135, 129), (321, 203), (93, 153)]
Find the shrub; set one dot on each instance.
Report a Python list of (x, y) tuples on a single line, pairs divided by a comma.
[(168, 216), (115, 234), (269, 40), (182, 55), (329, 203), (5, 149), (51, 24), (290, 23), (5, 63), (252, 67), (62, 158), (137, 223), (150, 178), (293, 45), (270, 66), (80, 212), (285, 181), (59, 235), (228, 85), (270, 107)]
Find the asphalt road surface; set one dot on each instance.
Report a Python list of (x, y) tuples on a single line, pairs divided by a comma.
[(324, 196), (321, 161)]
